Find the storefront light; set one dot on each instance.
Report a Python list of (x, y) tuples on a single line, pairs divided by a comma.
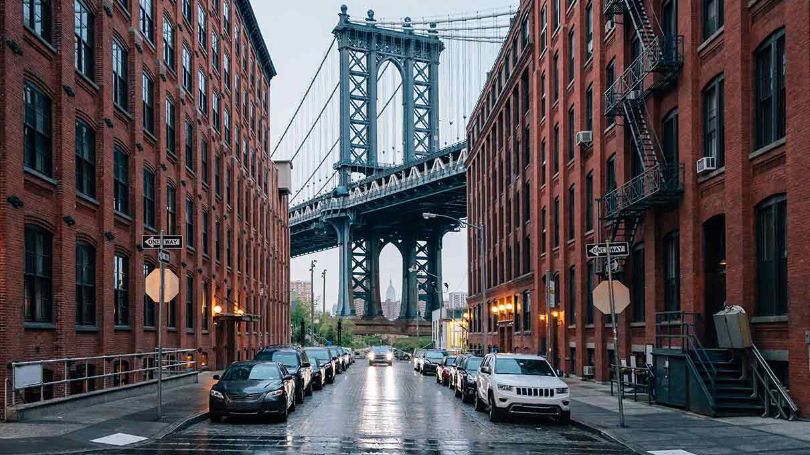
[(217, 309)]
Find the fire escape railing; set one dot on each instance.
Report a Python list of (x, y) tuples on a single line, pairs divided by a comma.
[(659, 180)]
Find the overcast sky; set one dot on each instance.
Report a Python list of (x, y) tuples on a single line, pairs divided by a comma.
[(297, 33)]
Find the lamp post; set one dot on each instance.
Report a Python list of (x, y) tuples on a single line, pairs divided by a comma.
[(414, 269), (323, 274), (483, 264), (312, 295)]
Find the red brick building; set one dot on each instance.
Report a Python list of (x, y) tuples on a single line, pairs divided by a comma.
[(730, 232), (122, 118)]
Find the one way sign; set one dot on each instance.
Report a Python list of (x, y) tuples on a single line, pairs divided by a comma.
[(170, 242), (600, 250)]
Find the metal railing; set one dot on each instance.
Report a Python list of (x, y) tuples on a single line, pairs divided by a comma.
[(771, 389), (41, 381), (657, 179), (679, 330)]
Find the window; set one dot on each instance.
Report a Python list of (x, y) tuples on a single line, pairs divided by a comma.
[(610, 78), (543, 95), (571, 55), (589, 108), (85, 159), (190, 313), (171, 209), (38, 275), (218, 175), (556, 151), (171, 317), (770, 89), (37, 16), (672, 272), (120, 75), (202, 33), (146, 22), (84, 50), (171, 135), (202, 92), (205, 227), (187, 12), (229, 248), (85, 284), (526, 300), (712, 17), (669, 18), (228, 180), (637, 286), (713, 121), (589, 202), (526, 146), (588, 31), (571, 213), (543, 162), (226, 15), (37, 130), (556, 220), (218, 241), (589, 294), (121, 287), (149, 198), (188, 84), (190, 223), (555, 79), (610, 174), (543, 28), (121, 181), (226, 69), (148, 304), (189, 145), (215, 111), (571, 134), (555, 10), (148, 97), (572, 295), (214, 49), (226, 121), (204, 161), (168, 44), (771, 232), (669, 142), (527, 202)]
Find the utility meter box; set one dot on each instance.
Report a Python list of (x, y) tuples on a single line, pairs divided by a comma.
[(733, 328)]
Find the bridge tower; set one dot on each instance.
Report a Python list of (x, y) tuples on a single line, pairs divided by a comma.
[(363, 48)]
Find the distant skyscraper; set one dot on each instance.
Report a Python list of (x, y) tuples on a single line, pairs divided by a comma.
[(302, 290), (457, 300), (390, 306)]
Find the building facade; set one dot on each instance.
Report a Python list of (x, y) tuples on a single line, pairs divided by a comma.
[(456, 300), (302, 290), (712, 199), (137, 117)]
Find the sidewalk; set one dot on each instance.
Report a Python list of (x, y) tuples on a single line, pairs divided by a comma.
[(134, 417), (660, 430)]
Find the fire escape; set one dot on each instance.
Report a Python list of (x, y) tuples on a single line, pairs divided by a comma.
[(654, 71)]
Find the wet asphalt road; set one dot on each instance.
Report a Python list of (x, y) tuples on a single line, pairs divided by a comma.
[(386, 410)]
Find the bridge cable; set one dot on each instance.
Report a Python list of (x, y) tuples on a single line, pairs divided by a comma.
[(319, 166), (315, 123)]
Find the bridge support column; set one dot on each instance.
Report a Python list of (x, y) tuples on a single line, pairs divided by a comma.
[(366, 276), (343, 227), (410, 282), (434, 267)]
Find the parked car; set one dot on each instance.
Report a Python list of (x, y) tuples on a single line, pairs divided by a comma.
[(431, 360), (252, 388), (335, 354), (325, 360), (418, 355), (344, 357), (521, 384), (399, 354), (297, 362), (349, 354), (452, 370), (443, 369), (466, 373), (381, 354)]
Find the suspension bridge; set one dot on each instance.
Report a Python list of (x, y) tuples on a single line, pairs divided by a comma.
[(373, 148)]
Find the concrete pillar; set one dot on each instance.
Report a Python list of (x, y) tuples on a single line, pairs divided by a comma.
[(373, 304), (343, 229), (410, 292)]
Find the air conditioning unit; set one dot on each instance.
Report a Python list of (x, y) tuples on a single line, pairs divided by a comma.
[(634, 95), (609, 25), (706, 164), (584, 138), (587, 371)]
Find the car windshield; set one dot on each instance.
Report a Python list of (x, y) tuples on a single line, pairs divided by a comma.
[(289, 359), (450, 361), (473, 363), (532, 367), (252, 372), (380, 349), (320, 354), (435, 355)]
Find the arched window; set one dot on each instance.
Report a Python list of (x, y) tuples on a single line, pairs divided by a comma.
[(85, 284)]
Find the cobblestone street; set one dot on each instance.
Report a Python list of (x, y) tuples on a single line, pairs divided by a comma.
[(383, 410)]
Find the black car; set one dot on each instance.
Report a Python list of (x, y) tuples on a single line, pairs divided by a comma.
[(323, 357), (381, 354), (335, 354), (296, 362), (432, 358), (252, 388), (466, 372)]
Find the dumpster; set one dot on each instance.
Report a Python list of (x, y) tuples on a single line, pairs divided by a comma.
[(733, 329)]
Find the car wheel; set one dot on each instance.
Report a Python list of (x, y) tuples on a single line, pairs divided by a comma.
[(285, 413), (479, 403), (456, 392), (390, 364), (215, 418), (292, 406), (299, 396), (564, 418), (495, 414), (308, 390)]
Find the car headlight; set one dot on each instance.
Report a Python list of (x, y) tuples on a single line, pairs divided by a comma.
[(505, 387), (275, 393), (561, 390), (371, 356), (217, 394), (470, 379), (388, 356)]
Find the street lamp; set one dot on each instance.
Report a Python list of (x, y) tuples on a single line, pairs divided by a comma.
[(312, 295), (483, 264)]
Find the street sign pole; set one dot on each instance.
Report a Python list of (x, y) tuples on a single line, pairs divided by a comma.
[(160, 335), (616, 354)]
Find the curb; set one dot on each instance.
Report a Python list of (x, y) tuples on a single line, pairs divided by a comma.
[(181, 425), (605, 434)]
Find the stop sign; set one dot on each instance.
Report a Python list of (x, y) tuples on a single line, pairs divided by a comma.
[(601, 297), (153, 285)]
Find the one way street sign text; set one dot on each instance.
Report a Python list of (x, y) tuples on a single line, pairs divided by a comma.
[(170, 242), (600, 250)]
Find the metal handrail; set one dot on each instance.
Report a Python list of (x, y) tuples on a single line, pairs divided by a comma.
[(689, 342), (63, 366), (768, 382), (653, 180)]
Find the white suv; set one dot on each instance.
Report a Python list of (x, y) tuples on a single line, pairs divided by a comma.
[(522, 385)]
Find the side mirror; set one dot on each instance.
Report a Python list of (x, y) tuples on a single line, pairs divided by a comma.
[(288, 377), (216, 377), (484, 370), (306, 365), (559, 372)]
